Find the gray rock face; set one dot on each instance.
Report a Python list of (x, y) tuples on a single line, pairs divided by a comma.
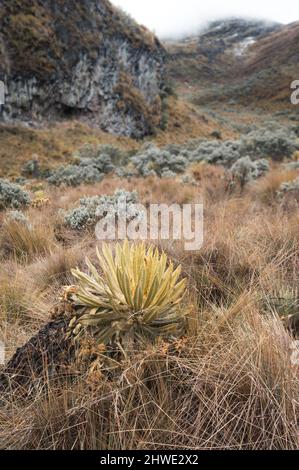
[(83, 60)]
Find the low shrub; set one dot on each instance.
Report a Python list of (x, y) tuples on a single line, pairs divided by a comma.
[(91, 164), (31, 169), (276, 144), (90, 209), (12, 195), (74, 175), (245, 170), (290, 188), (152, 161), (111, 155)]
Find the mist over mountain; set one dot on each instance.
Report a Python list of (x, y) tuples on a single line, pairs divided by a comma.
[(237, 58), (174, 19)]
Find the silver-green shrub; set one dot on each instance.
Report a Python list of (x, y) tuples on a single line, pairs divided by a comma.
[(31, 168), (290, 188), (276, 144), (245, 170), (216, 152), (17, 216), (92, 163), (152, 161), (110, 155), (91, 209), (74, 175), (12, 196), (271, 141)]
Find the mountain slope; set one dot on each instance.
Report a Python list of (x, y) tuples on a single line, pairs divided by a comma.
[(238, 61), (279, 48), (79, 59), (272, 64), (213, 52)]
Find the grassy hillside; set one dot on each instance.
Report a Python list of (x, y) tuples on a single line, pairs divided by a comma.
[(220, 66)]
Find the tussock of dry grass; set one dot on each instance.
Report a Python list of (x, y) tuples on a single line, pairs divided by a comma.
[(55, 268), (230, 387), (229, 383), (268, 186), (26, 242)]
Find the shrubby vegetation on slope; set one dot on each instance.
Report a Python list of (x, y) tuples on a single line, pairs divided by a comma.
[(152, 161), (245, 170), (90, 166)]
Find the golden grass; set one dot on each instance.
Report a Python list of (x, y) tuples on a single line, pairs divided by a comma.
[(26, 242), (231, 386), (186, 122), (229, 383), (268, 186), (54, 145), (55, 267)]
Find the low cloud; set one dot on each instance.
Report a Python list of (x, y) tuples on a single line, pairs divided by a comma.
[(175, 18)]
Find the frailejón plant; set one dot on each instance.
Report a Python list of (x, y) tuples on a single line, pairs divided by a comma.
[(136, 293)]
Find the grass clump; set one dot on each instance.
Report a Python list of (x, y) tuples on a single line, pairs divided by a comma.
[(24, 241), (13, 298)]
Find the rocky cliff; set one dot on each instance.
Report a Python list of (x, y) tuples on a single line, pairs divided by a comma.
[(86, 60)]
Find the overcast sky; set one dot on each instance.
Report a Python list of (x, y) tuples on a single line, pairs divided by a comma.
[(178, 17)]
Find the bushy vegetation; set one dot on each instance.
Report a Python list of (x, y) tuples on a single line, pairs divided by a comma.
[(74, 175), (245, 170), (106, 156), (31, 169), (276, 143), (290, 189), (17, 216), (216, 152), (12, 195), (90, 164), (91, 209), (152, 161)]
